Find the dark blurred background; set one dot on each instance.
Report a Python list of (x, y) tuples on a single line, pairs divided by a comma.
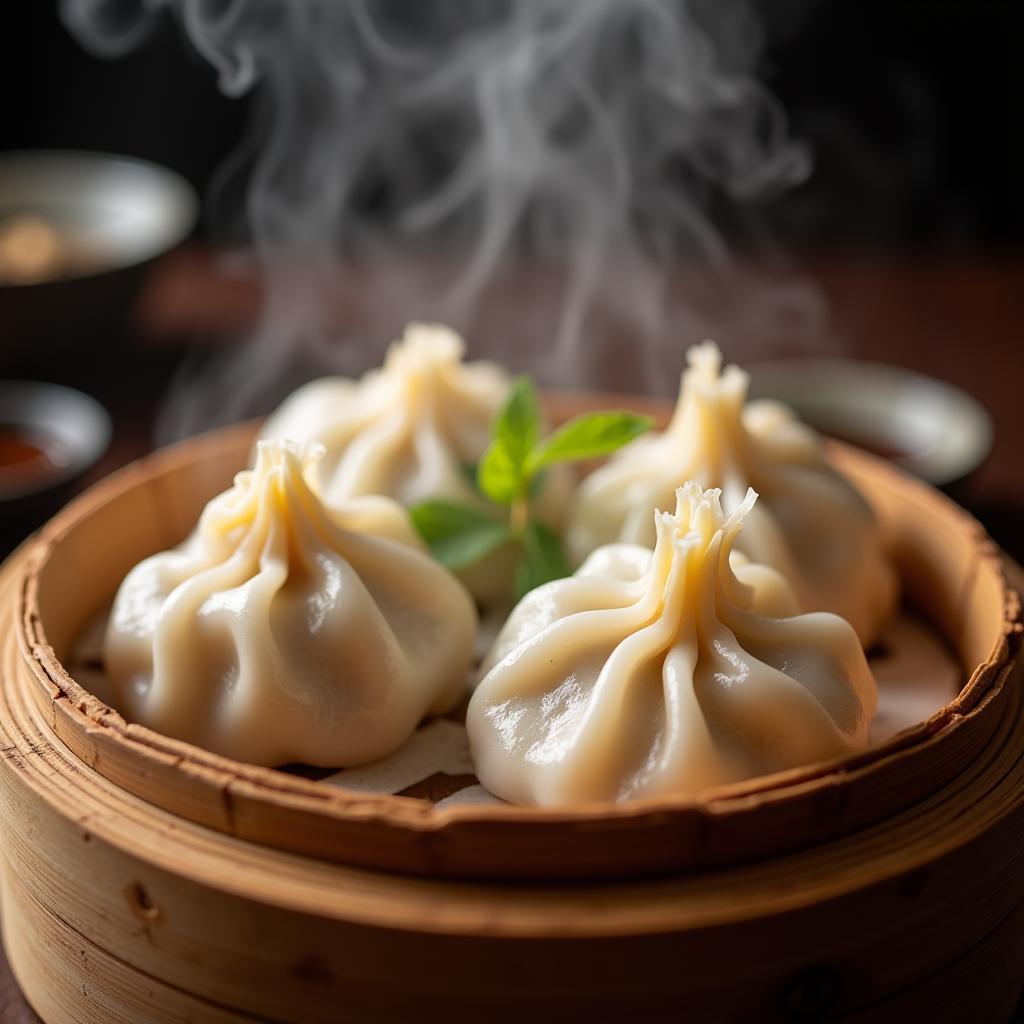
[(911, 224), (912, 110)]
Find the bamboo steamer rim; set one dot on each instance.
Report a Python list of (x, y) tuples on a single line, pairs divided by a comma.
[(402, 833), (897, 847), (949, 867)]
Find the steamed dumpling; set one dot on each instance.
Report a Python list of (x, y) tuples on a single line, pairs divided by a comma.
[(810, 522), (407, 430), (665, 672), (413, 430), (283, 630)]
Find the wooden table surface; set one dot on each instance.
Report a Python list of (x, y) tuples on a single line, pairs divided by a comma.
[(960, 318)]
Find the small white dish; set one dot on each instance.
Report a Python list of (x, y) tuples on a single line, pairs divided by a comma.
[(125, 210), (925, 425), (76, 425)]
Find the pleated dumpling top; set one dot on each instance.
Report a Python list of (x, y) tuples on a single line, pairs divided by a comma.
[(413, 430), (810, 522), (665, 672), (407, 430), (285, 630)]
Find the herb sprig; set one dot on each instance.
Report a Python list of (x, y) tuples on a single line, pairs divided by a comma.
[(510, 473)]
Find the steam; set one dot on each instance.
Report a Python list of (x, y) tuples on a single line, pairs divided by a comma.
[(553, 177)]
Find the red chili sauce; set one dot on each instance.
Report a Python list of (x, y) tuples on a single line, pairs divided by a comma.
[(27, 456)]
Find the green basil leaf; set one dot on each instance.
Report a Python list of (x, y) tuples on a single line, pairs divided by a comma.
[(543, 559), (458, 535), (518, 424), (498, 475), (588, 437)]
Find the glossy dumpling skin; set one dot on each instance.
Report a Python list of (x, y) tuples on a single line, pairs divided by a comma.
[(810, 522), (406, 430), (665, 672), (413, 430), (283, 630)]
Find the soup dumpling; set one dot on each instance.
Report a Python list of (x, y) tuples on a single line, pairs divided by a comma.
[(810, 522), (284, 630), (665, 672), (414, 430)]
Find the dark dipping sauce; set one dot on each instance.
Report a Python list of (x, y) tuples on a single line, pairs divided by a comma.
[(28, 457)]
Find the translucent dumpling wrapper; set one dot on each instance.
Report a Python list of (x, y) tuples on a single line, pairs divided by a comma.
[(665, 672), (810, 522), (283, 630), (414, 430)]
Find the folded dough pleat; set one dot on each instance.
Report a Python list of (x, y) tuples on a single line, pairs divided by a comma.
[(665, 672), (810, 522), (284, 630), (414, 431)]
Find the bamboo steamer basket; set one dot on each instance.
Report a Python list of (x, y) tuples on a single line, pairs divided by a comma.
[(146, 880)]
